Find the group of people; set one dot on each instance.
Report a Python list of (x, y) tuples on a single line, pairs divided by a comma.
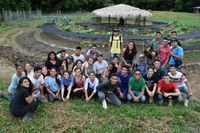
[(129, 76)]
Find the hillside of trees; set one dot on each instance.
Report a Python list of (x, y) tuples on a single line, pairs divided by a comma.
[(89, 5)]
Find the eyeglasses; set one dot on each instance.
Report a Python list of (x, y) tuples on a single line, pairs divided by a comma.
[(137, 74)]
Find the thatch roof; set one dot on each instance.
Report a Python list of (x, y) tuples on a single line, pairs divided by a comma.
[(121, 10)]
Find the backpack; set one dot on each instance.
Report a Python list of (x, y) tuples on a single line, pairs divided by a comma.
[(120, 38)]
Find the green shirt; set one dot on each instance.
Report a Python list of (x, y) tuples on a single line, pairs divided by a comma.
[(136, 85), (156, 44)]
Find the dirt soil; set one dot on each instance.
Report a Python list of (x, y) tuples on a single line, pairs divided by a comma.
[(28, 45)]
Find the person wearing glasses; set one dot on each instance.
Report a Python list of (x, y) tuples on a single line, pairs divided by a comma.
[(136, 87)]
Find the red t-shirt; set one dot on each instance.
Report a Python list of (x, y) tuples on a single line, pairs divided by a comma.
[(164, 52), (167, 87)]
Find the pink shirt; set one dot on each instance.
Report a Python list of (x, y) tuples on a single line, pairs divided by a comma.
[(164, 52)]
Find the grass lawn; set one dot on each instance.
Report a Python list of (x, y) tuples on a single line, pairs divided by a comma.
[(187, 19), (78, 116)]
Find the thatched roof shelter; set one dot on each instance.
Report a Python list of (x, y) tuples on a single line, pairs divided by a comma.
[(196, 9), (121, 10)]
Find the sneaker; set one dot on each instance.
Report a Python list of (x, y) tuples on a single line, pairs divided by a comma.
[(186, 102), (160, 102), (104, 104), (27, 117), (150, 99), (170, 102)]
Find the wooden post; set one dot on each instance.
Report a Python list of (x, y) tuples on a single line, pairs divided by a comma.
[(109, 20)]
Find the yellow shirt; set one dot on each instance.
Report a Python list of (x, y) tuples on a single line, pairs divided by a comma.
[(116, 48)]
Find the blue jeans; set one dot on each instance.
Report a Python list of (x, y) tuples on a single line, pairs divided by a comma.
[(112, 55), (10, 96), (184, 89), (52, 99), (136, 93), (114, 99)]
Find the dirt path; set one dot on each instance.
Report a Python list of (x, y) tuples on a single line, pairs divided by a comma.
[(23, 45)]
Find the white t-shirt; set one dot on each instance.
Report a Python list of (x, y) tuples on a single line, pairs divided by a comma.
[(179, 79), (80, 57), (91, 84), (36, 83)]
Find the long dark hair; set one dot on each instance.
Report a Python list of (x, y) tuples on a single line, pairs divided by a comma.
[(30, 88), (134, 50), (52, 52)]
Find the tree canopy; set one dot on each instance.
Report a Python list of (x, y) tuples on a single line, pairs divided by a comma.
[(89, 5)]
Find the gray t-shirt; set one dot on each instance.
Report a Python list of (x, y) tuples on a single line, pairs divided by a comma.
[(100, 66)]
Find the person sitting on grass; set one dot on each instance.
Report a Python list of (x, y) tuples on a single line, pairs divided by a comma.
[(15, 80), (89, 67), (79, 81), (67, 83), (38, 84), (106, 91), (151, 84), (28, 70), (52, 84), (180, 80), (136, 87), (159, 70), (90, 86), (124, 77), (23, 104), (167, 89)]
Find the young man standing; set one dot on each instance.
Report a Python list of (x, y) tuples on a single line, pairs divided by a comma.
[(93, 53), (106, 90), (167, 89), (157, 41), (62, 55), (77, 55), (115, 44), (124, 77), (176, 54), (164, 52), (136, 87), (183, 85), (38, 85)]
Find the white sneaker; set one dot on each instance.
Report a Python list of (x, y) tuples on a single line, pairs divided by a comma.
[(150, 99), (160, 102), (170, 102), (104, 104), (186, 102)]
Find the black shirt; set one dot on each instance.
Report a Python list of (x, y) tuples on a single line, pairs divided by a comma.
[(19, 102), (150, 81), (107, 86)]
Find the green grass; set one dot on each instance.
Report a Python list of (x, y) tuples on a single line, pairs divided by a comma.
[(78, 116), (5, 27), (187, 19)]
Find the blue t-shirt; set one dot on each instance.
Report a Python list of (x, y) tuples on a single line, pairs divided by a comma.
[(177, 51), (124, 80), (67, 82), (52, 84), (14, 82)]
